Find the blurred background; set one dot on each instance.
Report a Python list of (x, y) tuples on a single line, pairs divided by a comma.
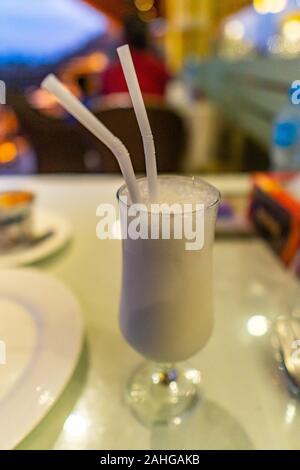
[(216, 76)]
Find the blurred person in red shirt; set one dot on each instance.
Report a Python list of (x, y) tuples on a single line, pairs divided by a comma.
[(151, 70)]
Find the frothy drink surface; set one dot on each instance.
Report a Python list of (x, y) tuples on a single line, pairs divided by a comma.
[(166, 310), (179, 190)]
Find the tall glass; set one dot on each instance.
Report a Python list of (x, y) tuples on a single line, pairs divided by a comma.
[(166, 308)]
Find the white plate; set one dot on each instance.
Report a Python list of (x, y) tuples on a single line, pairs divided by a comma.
[(43, 221), (41, 333)]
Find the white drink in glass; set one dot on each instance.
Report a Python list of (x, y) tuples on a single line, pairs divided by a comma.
[(166, 310)]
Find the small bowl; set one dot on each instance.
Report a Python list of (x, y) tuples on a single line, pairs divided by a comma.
[(16, 219)]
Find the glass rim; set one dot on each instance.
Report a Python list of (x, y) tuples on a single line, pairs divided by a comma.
[(168, 175)]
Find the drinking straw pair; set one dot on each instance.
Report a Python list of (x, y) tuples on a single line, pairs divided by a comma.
[(88, 120)]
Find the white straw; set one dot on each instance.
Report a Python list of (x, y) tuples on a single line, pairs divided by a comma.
[(88, 120), (142, 118)]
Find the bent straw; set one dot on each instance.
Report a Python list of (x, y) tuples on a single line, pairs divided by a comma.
[(88, 120), (142, 118)]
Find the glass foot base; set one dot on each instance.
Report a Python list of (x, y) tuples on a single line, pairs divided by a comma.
[(162, 394)]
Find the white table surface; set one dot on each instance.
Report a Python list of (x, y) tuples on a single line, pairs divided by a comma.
[(245, 403)]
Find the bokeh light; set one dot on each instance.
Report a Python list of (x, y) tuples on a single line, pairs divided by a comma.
[(291, 30), (144, 5), (258, 325), (234, 29), (269, 6)]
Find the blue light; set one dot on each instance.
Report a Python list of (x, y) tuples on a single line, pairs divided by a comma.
[(39, 32)]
